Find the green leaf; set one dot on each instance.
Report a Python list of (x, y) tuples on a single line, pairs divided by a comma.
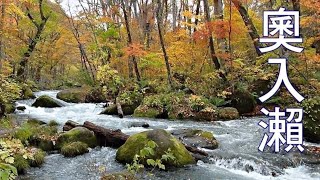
[(151, 162), (10, 160), (152, 144)]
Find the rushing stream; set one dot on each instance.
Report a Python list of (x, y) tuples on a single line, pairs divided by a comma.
[(236, 158)]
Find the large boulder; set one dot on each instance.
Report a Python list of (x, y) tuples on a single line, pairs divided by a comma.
[(80, 134), (311, 120), (129, 101), (74, 149), (47, 102), (177, 106), (243, 101), (75, 95), (112, 109), (228, 113), (150, 112), (163, 139), (96, 95), (196, 138)]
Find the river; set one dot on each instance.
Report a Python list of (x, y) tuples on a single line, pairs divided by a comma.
[(236, 158)]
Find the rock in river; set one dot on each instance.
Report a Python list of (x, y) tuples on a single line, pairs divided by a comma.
[(196, 138), (80, 134), (163, 139), (47, 102)]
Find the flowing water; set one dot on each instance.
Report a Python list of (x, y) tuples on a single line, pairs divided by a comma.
[(236, 158)]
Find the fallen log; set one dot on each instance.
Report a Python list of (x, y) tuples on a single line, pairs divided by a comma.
[(70, 125), (107, 137)]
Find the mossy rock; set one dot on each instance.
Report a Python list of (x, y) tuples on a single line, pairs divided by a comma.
[(119, 176), (243, 101), (112, 110), (311, 120), (207, 114), (35, 122), (46, 145), (228, 113), (38, 159), (80, 134), (75, 95), (149, 112), (47, 102), (53, 123), (163, 139), (196, 138), (74, 149)]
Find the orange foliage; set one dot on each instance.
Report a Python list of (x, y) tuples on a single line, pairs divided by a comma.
[(135, 49)]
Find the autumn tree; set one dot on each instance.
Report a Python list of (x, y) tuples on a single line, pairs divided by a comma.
[(21, 73)]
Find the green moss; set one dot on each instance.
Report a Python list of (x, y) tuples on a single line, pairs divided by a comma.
[(38, 159), (10, 108), (53, 123), (38, 135), (46, 101), (77, 134), (35, 122), (7, 122), (144, 111), (163, 139), (228, 113), (119, 176), (74, 149), (21, 164), (25, 132), (75, 95)]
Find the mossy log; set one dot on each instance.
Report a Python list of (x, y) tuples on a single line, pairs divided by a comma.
[(107, 137)]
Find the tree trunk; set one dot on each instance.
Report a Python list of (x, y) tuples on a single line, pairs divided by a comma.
[(214, 58), (174, 14), (166, 58), (132, 59), (197, 14), (119, 108), (218, 13), (2, 55), (248, 22), (21, 73)]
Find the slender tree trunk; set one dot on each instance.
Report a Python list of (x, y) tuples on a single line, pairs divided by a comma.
[(218, 13), (132, 59), (197, 14), (174, 14), (251, 27), (2, 55), (214, 58), (166, 58)]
